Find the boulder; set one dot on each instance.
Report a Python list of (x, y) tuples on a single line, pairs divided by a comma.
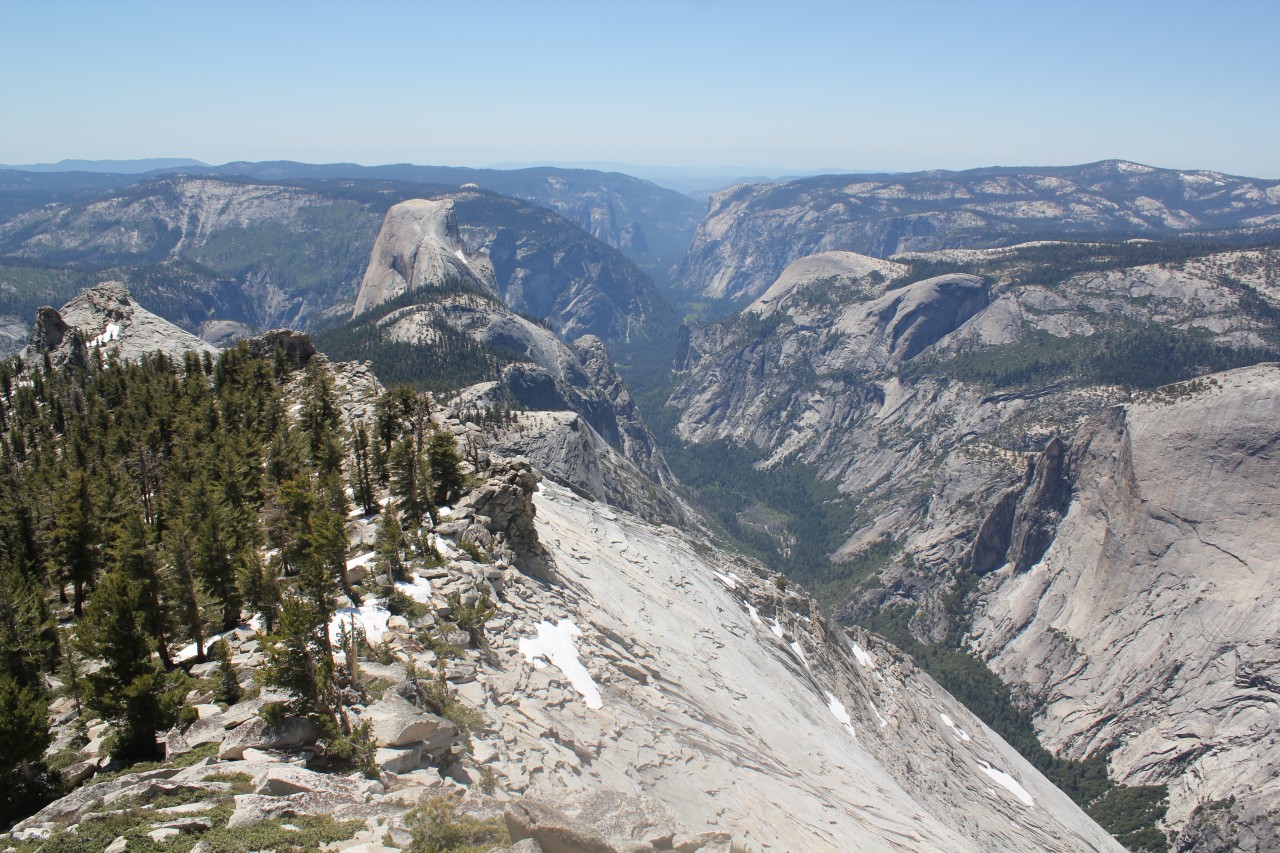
[(399, 759), (255, 808), (281, 780), (592, 822), (396, 722), (259, 734)]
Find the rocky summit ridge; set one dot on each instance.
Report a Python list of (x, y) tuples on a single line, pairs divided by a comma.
[(106, 320)]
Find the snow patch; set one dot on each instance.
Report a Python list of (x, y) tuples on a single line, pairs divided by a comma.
[(361, 560), (555, 644), (1007, 782), (755, 614), (799, 652), (727, 580), (775, 628), (876, 711), (372, 618), (863, 657), (111, 333), (419, 589), (960, 733), (836, 707)]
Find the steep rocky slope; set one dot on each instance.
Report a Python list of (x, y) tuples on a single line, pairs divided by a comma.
[(634, 688), (1133, 602), (947, 410), (752, 232), (648, 665)]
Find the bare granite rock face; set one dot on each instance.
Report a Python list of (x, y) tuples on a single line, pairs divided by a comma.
[(1135, 603), (603, 821), (419, 246), (107, 319), (655, 663)]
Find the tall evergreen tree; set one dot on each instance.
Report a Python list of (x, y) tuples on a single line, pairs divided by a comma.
[(130, 689)]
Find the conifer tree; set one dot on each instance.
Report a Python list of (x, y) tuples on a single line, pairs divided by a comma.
[(131, 552), (389, 545), (362, 483), (24, 736), (74, 538), (445, 466), (130, 689), (411, 484)]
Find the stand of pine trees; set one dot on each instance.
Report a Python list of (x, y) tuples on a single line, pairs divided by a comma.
[(149, 506)]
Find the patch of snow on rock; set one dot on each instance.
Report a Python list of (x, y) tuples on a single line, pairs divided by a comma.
[(960, 733), (555, 643), (419, 589), (1007, 782), (372, 618), (862, 655), (837, 709)]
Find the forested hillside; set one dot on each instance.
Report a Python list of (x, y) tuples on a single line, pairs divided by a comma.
[(147, 507)]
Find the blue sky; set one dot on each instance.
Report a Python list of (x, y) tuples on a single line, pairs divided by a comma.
[(799, 85)]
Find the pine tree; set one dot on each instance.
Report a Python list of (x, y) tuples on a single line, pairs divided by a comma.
[(362, 484), (74, 538), (130, 689), (228, 690), (131, 552), (446, 467), (24, 736), (411, 484), (389, 545)]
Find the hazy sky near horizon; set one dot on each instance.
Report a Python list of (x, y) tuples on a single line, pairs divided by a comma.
[(800, 85)]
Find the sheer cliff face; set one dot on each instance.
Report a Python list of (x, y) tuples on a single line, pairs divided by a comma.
[(753, 231), (1145, 618), (419, 247)]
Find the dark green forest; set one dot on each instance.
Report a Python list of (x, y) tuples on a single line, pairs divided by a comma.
[(147, 506)]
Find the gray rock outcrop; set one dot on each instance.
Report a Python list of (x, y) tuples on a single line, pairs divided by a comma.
[(257, 733), (105, 318), (1132, 603), (603, 821)]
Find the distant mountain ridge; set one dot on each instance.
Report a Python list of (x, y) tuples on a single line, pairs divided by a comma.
[(264, 253), (752, 232), (123, 167)]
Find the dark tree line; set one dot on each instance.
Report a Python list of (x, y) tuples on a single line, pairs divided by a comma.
[(148, 506)]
